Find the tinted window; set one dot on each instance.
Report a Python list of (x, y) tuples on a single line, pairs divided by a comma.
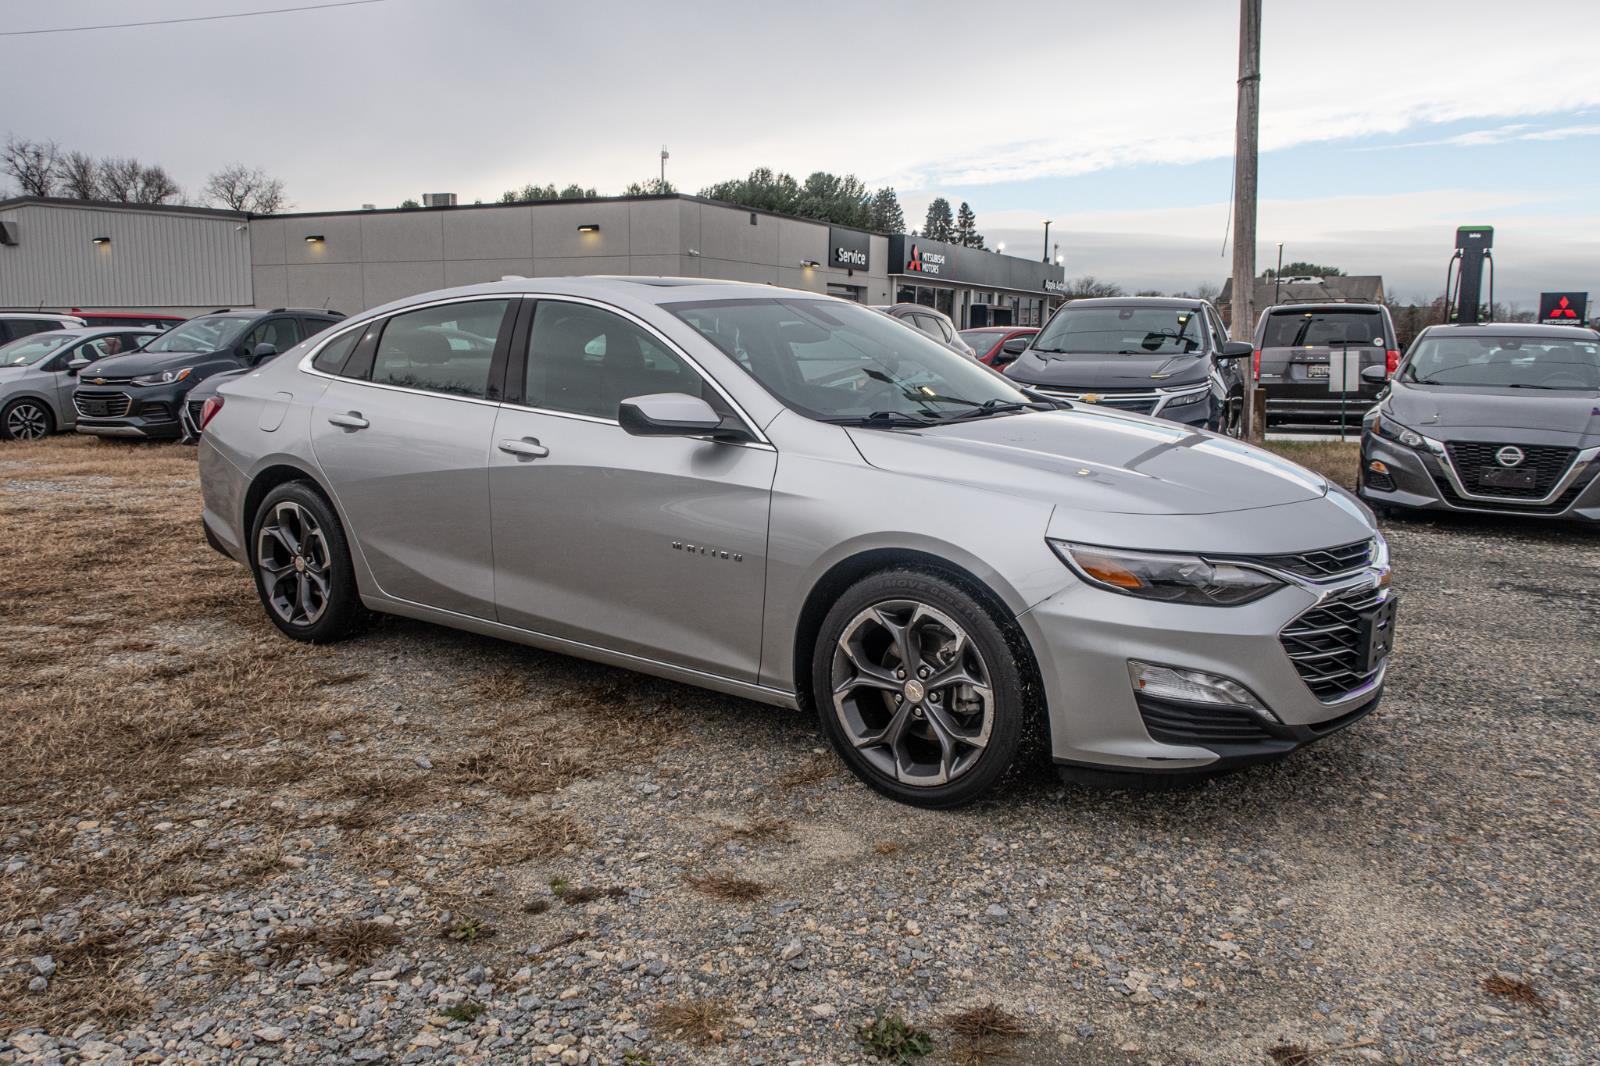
[(331, 359), (312, 326), (1293, 329), (27, 327), (281, 333), (209, 333), (587, 361), (1529, 362), (1128, 330), (444, 349)]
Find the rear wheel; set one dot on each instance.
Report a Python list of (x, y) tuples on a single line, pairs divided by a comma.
[(918, 688), (26, 419), (302, 566)]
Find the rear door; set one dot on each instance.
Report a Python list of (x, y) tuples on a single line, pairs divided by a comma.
[(1297, 347), (403, 437)]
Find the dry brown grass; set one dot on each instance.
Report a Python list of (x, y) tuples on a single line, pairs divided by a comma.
[(355, 942), (727, 888), (539, 838), (762, 828), (1337, 462), (812, 770), (1287, 1054), (88, 983), (1517, 991), (983, 1032), (696, 1021), (887, 847)]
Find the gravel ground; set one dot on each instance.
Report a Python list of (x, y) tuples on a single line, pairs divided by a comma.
[(480, 852)]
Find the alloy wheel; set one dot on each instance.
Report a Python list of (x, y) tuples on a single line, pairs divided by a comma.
[(292, 558), (27, 421), (912, 693)]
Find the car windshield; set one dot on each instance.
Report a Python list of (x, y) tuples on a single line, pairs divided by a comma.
[(1122, 331), (1324, 329), (835, 361), (1529, 362), (981, 339), (209, 333), (30, 350)]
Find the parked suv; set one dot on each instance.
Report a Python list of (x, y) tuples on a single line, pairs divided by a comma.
[(14, 324), (140, 395), (38, 373), (935, 324), (1294, 343), (1153, 355)]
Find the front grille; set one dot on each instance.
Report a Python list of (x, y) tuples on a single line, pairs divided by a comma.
[(102, 405), (1325, 644), (1172, 722), (1140, 402), (1547, 462), (1323, 563), (1448, 493)]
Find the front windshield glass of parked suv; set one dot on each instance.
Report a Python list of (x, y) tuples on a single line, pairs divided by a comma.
[(832, 360), (30, 350), (1531, 362), (1122, 331), (211, 333)]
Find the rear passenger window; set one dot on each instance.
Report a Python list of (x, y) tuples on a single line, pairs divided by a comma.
[(312, 326), (333, 355), (281, 333), (445, 349), (586, 361)]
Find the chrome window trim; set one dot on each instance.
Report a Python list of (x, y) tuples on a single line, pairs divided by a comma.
[(1575, 469)]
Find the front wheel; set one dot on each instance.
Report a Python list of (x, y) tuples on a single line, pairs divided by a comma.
[(26, 419), (302, 566), (918, 688)]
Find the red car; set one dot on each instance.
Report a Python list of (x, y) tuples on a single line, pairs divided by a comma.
[(993, 343), (141, 319)]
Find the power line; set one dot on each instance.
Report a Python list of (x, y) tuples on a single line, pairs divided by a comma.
[(192, 18)]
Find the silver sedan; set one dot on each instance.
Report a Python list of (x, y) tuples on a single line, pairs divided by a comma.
[(790, 498)]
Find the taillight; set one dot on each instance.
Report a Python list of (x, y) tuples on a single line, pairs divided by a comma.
[(209, 410), (1255, 364), (1392, 360)]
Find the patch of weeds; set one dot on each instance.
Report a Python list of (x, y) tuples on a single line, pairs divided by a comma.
[(1517, 991), (984, 1031), (635, 1057), (468, 1010), (726, 888), (886, 847), (541, 838), (559, 886), (695, 1021), (812, 770), (759, 829), (355, 942), (468, 930), (574, 897), (893, 1039)]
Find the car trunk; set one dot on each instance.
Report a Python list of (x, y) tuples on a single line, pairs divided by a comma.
[(1299, 346)]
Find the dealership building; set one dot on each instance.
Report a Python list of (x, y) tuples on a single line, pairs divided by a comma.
[(61, 254)]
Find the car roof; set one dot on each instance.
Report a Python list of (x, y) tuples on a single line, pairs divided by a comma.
[(1513, 329), (98, 331), (1136, 301), (1314, 308), (36, 316), (1001, 329)]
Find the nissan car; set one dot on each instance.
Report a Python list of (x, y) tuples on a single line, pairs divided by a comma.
[(1154, 355), (792, 499), (1493, 418)]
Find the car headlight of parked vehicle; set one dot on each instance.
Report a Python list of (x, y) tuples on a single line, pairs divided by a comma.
[(164, 377), (1183, 399), (1168, 578), (1389, 429)]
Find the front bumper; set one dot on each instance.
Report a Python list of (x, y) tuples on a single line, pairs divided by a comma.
[(149, 413), (1425, 479), (1083, 638)]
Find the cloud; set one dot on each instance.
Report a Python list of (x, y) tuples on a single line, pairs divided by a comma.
[(1516, 131)]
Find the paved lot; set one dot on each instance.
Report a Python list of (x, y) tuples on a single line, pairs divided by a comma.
[(425, 846)]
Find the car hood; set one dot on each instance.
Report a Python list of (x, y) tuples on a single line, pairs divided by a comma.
[(1101, 461), (1085, 371), (136, 363), (1430, 409)]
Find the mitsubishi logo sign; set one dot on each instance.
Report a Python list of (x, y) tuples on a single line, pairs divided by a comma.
[(1563, 308)]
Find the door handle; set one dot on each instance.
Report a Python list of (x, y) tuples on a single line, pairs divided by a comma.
[(526, 448), (353, 420)]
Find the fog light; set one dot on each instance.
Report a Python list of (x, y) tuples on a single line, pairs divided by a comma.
[(1193, 686), (1377, 466)]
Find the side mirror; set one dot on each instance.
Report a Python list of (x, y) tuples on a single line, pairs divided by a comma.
[(1375, 375), (263, 351), (1236, 350), (667, 414), (75, 365)]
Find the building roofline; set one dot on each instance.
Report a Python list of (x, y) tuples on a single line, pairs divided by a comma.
[(118, 205)]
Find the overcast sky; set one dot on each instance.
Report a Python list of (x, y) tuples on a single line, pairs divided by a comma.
[(1384, 124)]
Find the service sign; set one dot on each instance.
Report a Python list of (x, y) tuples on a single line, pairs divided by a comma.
[(1563, 308), (849, 249)]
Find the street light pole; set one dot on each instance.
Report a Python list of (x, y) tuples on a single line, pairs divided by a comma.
[(1277, 278), (1047, 240), (1242, 320)]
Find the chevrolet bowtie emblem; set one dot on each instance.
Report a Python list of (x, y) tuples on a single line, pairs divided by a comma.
[(1091, 397), (99, 381)]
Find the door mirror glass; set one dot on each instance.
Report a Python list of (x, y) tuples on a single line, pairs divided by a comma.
[(77, 364), (667, 414), (1236, 350), (1375, 375), (1015, 346)]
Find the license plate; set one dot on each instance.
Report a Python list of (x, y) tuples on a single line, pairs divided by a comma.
[(1499, 477), (1317, 370), (1376, 634)]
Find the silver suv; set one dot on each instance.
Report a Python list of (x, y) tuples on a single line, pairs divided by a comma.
[(789, 498)]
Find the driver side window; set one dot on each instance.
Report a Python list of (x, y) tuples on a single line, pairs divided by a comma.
[(281, 333), (586, 361)]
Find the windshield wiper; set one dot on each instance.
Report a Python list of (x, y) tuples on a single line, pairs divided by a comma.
[(1001, 407), (882, 418), (1526, 385)]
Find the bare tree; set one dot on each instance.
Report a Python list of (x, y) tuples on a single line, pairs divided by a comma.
[(243, 188), (156, 186), (80, 176), (119, 179), (34, 164)]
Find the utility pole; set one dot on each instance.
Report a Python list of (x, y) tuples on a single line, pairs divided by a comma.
[(663, 168), (1047, 240), (1243, 321), (1277, 278)]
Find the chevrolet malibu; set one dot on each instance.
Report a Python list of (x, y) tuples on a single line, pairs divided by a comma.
[(790, 498)]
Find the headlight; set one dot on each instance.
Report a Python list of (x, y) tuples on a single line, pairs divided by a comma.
[(1183, 399), (1389, 429), (1169, 578), (165, 377)]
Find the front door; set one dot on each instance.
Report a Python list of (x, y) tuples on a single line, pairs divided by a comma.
[(653, 546), (404, 442)]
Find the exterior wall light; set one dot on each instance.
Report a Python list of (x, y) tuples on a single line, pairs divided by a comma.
[(589, 227), (313, 238), (100, 240), (1001, 247), (810, 264)]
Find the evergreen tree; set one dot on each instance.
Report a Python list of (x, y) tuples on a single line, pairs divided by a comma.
[(885, 215), (967, 234), (940, 225)]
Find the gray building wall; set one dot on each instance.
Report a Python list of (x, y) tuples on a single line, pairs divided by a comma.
[(165, 259)]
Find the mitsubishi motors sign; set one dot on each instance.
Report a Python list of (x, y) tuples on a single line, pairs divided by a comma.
[(919, 257), (925, 262), (1563, 308)]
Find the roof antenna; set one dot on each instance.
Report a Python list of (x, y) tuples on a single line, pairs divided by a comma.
[(328, 301)]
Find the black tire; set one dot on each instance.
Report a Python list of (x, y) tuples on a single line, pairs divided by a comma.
[(34, 419), (336, 613), (867, 708)]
